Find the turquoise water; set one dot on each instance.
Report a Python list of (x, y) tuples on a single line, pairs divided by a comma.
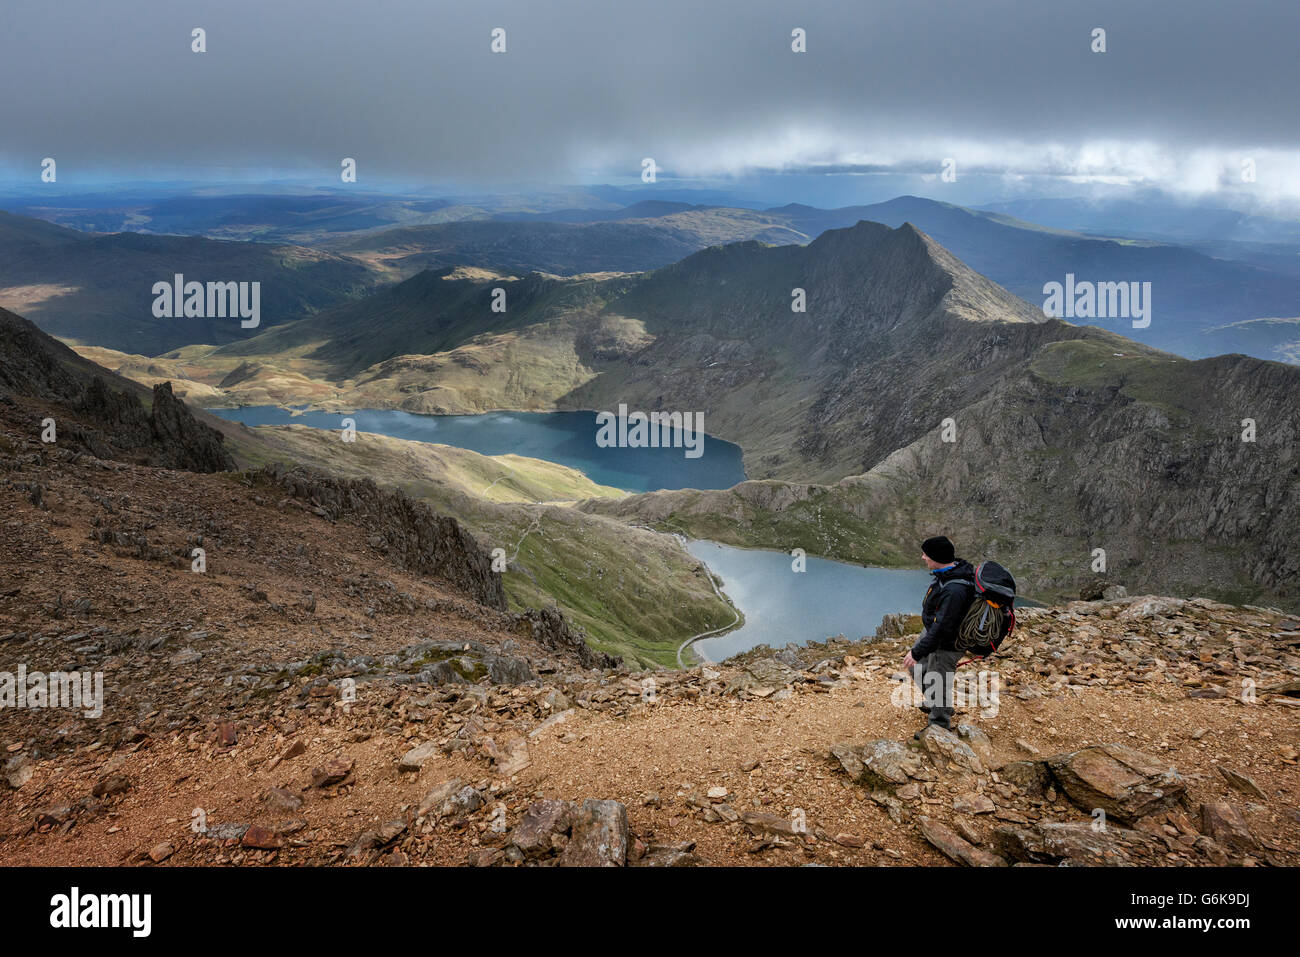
[(568, 438), (781, 605)]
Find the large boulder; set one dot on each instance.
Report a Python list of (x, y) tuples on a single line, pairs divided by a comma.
[(544, 825), (505, 670), (955, 848), (1071, 843), (948, 749), (599, 837), (880, 763), (1125, 783), (764, 673), (1226, 825)]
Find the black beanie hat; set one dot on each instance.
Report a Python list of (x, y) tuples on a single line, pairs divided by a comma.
[(939, 549)]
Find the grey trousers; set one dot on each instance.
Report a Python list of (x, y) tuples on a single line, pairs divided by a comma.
[(936, 676)]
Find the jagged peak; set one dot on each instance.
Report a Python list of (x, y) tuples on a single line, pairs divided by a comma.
[(863, 231)]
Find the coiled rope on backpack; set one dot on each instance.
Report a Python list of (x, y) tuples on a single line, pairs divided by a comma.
[(976, 631)]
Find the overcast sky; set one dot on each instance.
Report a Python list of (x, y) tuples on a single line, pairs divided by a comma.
[(410, 88)]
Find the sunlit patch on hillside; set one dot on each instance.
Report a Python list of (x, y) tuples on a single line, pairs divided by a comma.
[(20, 298)]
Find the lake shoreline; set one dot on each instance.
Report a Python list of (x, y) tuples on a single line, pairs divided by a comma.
[(568, 438), (782, 605)]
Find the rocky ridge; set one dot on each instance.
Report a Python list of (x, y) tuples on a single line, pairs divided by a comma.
[(41, 378), (1174, 719)]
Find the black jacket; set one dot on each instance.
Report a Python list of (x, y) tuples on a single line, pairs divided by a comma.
[(943, 608)]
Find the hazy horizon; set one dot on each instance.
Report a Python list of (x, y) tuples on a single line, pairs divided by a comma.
[(1012, 98)]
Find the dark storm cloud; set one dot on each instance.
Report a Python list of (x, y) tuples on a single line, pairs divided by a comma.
[(410, 89)]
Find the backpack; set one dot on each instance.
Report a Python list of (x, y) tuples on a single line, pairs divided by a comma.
[(991, 616)]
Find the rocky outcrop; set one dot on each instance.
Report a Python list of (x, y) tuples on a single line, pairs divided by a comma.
[(100, 413), (880, 763), (896, 773), (955, 848), (1077, 843), (409, 532), (1125, 783), (182, 442), (1101, 804), (553, 630), (593, 834), (34, 364), (115, 424)]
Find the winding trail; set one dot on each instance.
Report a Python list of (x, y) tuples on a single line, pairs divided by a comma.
[(681, 539)]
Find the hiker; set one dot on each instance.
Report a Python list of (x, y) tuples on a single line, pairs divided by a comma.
[(933, 658)]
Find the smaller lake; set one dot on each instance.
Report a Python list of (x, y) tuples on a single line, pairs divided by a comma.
[(568, 438), (781, 605)]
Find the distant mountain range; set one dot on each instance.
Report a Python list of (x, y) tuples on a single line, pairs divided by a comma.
[(1152, 216), (1063, 439), (1193, 290), (1215, 286), (567, 245), (98, 288)]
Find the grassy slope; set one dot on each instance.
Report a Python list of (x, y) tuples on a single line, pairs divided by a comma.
[(428, 313), (635, 592), (496, 478), (529, 369)]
